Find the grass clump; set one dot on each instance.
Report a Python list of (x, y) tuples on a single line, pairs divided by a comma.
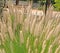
[(17, 35)]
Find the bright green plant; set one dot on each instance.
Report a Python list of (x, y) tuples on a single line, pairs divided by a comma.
[(57, 5)]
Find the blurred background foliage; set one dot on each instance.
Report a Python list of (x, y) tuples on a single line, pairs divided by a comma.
[(55, 3)]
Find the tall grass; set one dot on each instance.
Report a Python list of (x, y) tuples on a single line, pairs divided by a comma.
[(27, 33)]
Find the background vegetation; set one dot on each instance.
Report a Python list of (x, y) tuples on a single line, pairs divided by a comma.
[(55, 3)]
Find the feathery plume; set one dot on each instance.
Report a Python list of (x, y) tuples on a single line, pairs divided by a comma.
[(56, 51), (36, 42), (43, 46), (27, 43), (29, 49), (21, 37)]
